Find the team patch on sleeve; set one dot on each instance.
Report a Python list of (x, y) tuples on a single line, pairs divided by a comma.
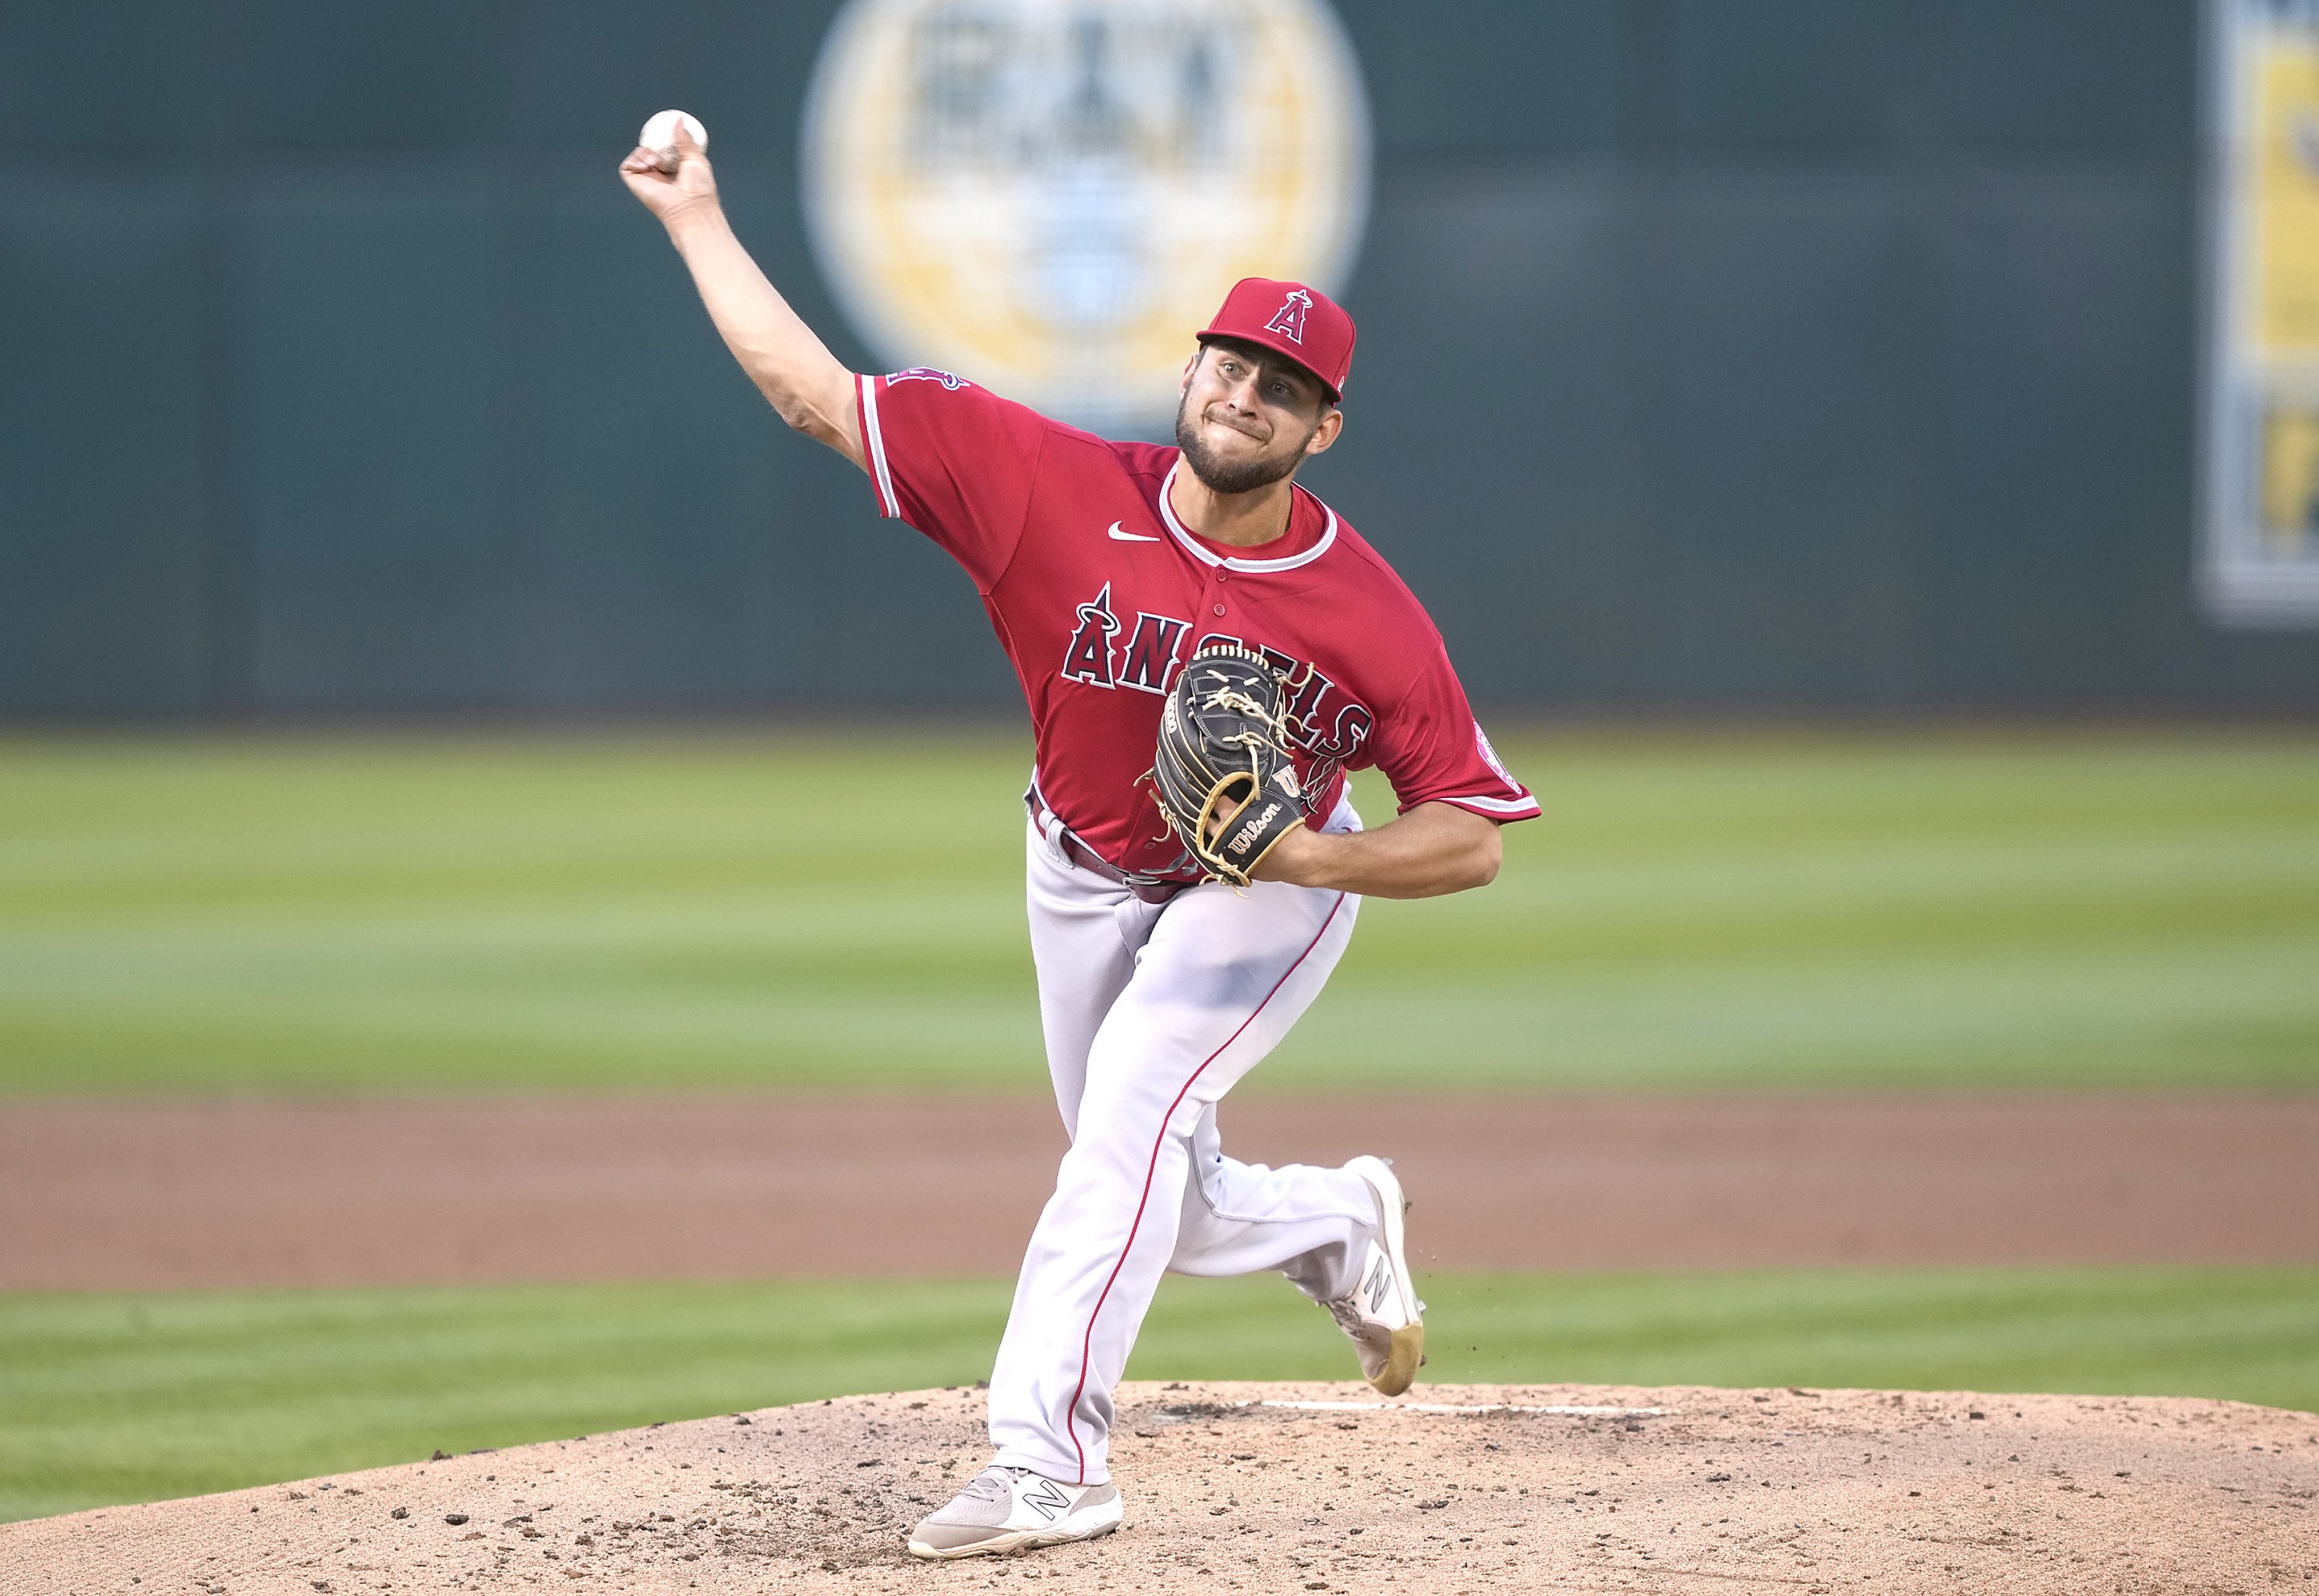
[(1520, 806), (1490, 757)]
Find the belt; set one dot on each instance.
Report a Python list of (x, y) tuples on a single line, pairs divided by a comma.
[(1153, 889)]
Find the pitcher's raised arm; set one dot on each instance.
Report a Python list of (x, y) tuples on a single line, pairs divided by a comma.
[(793, 368)]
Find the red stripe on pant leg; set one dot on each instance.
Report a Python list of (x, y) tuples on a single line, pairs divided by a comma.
[(1087, 1342)]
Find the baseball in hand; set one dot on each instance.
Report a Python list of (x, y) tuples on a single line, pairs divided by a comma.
[(660, 134)]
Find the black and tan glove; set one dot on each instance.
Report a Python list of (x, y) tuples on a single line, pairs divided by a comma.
[(1224, 741)]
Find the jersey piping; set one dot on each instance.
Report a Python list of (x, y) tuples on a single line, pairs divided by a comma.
[(1492, 806), (1205, 556), (873, 440)]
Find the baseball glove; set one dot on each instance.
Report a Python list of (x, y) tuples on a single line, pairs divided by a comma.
[(1224, 741)]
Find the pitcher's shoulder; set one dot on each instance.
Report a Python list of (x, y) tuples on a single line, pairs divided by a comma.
[(1360, 567)]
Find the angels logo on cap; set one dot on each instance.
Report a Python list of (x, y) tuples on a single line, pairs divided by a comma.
[(1292, 319), (1288, 320)]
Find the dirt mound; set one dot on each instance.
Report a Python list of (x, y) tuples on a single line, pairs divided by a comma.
[(1300, 1488)]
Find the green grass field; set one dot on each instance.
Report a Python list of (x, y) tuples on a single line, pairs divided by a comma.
[(114, 1398), (670, 911)]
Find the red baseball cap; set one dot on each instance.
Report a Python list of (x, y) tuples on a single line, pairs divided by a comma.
[(1293, 319)]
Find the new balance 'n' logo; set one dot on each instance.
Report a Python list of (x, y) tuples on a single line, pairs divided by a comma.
[(1380, 1283), (1048, 1497)]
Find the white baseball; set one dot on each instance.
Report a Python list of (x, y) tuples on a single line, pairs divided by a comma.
[(660, 134)]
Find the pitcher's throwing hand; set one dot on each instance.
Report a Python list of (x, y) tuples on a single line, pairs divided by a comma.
[(667, 175)]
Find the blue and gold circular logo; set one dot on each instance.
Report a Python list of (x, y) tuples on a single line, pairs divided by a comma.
[(1052, 196)]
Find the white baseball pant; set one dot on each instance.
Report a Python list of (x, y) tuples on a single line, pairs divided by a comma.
[(1153, 1012)]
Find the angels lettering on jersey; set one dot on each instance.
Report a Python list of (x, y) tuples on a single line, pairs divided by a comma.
[(1146, 661), (1326, 724)]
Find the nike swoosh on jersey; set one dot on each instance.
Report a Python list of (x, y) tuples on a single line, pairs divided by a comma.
[(1119, 535)]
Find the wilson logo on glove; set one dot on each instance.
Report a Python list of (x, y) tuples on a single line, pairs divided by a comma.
[(1224, 741), (1239, 845)]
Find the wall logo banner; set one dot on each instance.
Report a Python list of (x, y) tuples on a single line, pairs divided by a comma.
[(2259, 465), (1050, 196)]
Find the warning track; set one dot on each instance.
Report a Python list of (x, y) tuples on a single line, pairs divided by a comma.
[(139, 1193)]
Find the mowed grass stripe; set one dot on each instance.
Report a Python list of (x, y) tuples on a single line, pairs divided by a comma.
[(116, 1398), (806, 910)]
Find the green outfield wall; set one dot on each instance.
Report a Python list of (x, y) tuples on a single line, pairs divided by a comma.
[(1790, 356)]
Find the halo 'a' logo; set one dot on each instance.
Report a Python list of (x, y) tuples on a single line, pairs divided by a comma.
[(1088, 657), (1288, 320), (1050, 196)]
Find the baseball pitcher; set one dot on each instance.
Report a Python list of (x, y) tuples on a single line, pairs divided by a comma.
[(1205, 649)]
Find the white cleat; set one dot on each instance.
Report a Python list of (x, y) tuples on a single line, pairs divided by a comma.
[(1012, 1509), (1382, 1316)]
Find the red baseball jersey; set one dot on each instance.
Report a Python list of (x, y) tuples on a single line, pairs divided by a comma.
[(1098, 592)]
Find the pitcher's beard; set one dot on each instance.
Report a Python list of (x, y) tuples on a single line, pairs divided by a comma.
[(1219, 476)]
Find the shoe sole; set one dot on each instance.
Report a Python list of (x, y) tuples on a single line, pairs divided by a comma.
[(1408, 1348), (1105, 1519)]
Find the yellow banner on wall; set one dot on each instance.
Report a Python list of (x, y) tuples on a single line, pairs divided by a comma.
[(2260, 453), (2286, 197)]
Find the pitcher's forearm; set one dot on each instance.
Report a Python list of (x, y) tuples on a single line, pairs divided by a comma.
[(791, 366), (1434, 849)]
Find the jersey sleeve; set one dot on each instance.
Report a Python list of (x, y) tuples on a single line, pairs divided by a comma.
[(954, 461), (1432, 750)]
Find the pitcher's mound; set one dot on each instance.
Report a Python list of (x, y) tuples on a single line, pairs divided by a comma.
[(1300, 1488)]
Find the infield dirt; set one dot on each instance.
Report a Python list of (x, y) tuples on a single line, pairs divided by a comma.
[(1290, 1488), (135, 1194)]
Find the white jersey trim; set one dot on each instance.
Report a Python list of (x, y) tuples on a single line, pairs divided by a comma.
[(873, 443), (1522, 806), (1201, 551)]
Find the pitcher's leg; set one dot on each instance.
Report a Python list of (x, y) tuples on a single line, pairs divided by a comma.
[(1221, 980), (1311, 1223), (1084, 935)]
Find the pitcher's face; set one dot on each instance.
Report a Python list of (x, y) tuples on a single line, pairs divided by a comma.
[(1248, 418)]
